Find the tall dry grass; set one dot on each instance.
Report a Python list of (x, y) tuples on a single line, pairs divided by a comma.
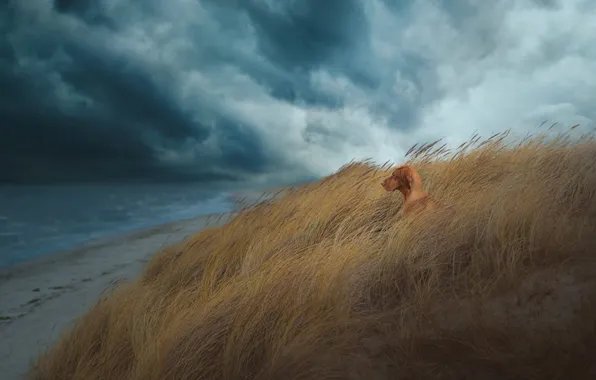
[(329, 283)]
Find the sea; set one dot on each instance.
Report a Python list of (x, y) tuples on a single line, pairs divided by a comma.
[(40, 220)]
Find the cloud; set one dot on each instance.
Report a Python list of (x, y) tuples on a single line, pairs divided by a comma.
[(264, 91)]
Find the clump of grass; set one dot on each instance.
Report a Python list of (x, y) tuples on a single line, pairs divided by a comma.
[(329, 283)]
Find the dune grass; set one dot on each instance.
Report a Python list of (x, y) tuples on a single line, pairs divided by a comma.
[(329, 282)]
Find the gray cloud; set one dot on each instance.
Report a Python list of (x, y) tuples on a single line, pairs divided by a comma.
[(267, 91)]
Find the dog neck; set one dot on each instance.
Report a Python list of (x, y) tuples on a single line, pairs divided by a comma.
[(416, 185), (414, 193)]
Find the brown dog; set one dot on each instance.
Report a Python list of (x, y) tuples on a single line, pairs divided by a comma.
[(407, 180)]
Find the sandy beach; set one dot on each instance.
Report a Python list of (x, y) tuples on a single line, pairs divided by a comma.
[(42, 298)]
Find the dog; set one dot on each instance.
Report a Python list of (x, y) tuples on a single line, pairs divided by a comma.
[(407, 180)]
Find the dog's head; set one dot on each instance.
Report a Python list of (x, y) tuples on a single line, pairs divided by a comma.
[(401, 179)]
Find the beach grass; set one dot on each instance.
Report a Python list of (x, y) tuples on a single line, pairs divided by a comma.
[(329, 282)]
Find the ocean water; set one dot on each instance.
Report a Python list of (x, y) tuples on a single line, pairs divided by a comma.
[(40, 220)]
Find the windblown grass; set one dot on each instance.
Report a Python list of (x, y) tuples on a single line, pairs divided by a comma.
[(329, 283)]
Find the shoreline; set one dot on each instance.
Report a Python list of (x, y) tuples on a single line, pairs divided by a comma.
[(41, 298), (10, 271)]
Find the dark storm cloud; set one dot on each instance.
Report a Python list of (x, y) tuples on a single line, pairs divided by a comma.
[(297, 37), (303, 35), (75, 109), (270, 90), (88, 10), (114, 116)]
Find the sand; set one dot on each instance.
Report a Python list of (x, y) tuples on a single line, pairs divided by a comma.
[(41, 299)]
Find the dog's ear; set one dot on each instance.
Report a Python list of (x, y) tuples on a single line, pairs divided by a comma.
[(400, 171), (404, 175)]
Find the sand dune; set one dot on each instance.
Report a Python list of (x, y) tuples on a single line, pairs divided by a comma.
[(330, 282)]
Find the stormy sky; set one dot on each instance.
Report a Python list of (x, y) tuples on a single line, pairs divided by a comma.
[(270, 91)]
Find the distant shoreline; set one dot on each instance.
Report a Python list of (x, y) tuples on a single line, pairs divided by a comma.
[(7, 272), (40, 221), (239, 199)]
